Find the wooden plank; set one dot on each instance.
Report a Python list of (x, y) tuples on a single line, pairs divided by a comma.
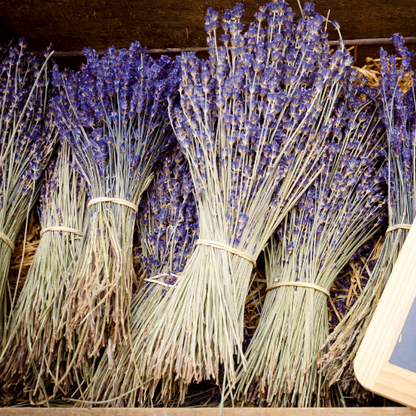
[(372, 365), (353, 411), (72, 25)]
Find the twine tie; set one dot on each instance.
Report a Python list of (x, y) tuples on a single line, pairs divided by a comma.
[(230, 249), (7, 240), (398, 227), (153, 279), (300, 284), (63, 229), (115, 200)]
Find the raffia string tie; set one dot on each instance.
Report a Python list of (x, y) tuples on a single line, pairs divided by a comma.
[(300, 284), (115, 200), (230, 249), (63, 229), (398, 227), (153, 279), (7, 240)]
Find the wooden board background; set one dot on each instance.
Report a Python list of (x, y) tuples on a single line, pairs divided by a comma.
[(73, 24)]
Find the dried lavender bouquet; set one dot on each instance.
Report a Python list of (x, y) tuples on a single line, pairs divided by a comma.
[(249, 123), (114, 115), (35, 353), (338, 214), (27, 137), (168, 226), (399, 117)]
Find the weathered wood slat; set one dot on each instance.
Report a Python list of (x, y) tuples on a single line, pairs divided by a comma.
[(348, 42), (72, 25)]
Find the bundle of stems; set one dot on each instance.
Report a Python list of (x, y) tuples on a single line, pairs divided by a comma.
[(27, 138), (168, 226), (399, 116), (35, 352), (249, 123), (114, 115), (340, 212)]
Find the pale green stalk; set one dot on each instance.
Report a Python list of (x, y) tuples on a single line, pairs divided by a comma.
[(36, 348)]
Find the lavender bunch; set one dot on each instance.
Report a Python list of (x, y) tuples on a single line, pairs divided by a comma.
[(168, 228), (249, 123), (397, 109), (340, 212), (36, 353), (27, 137), (114, 115)]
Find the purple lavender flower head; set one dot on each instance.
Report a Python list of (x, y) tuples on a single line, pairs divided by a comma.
[(113, 112), (398, 109), (27, 133), (241, 109), (346, 203), (168, 220)]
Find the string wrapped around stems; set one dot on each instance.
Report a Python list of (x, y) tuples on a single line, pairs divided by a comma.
[(27, 138), (249, 122), (398, 111), (36, 351), (114, 115), (168, 226)]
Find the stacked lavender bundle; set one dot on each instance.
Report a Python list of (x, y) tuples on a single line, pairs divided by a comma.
[(249, 123), (338, 214), (36, 350), (168, 226), (26, 140), (114, 115), (273, 133), (398, 111)]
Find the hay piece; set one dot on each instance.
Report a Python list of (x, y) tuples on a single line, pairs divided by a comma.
[(371, 71), (30, 247)]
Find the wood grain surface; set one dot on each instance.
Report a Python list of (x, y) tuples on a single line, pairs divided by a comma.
[(73, 24), (371, 364)]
